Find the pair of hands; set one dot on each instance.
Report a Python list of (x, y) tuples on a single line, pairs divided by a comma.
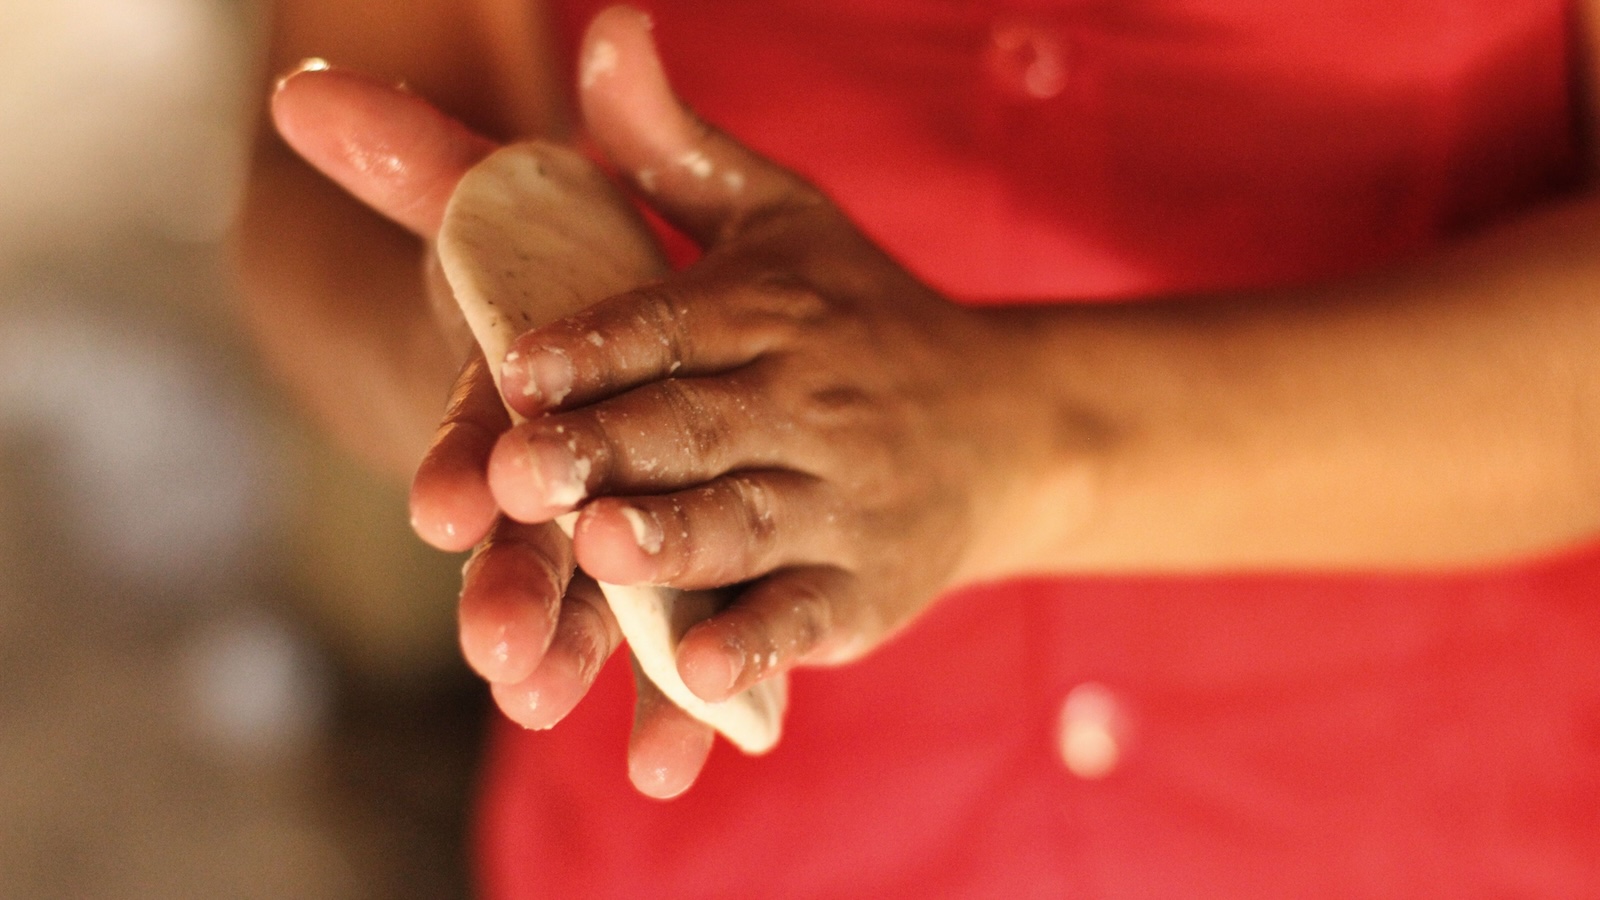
[(793, 413)]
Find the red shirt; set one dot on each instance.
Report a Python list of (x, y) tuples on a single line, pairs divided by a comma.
[(1261, 736)]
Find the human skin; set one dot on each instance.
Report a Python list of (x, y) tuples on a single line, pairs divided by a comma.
[(797, 413)]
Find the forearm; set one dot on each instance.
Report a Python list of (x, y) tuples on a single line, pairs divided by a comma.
[(334, 297), (335, 293), (1441, 414)]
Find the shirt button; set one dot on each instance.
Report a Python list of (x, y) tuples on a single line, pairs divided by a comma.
[(1026, 60), (1091, 731)]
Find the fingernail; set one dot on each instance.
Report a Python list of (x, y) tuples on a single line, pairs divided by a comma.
[(701, 672), (738, 659), (556, 477), (309, 64), (736, 664), (545, 375), (646, 529)]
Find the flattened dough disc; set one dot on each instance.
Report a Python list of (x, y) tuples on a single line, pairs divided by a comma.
[(535, 233)]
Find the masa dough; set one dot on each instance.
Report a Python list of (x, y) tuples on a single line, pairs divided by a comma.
[(535, 233)]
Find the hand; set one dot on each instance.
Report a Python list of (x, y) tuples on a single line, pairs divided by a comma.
[(794, 413), (538, 633)]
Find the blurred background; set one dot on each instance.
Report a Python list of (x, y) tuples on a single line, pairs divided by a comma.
[(226, 668)]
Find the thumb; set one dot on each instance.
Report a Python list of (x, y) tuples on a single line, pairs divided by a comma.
[(701, 180)]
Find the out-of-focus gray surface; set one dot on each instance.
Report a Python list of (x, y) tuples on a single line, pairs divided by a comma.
[(225, 668)]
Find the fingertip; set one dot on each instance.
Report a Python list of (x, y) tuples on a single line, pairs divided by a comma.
[(694, 176), (619, 543), (534, 481), (450, 502), (387, 146), (442, 531), (618, 22), (507, 614), (293, 105), (627, 101), (709, 663), (535, 379), (500, 650), (525, 705), (531, 703), (599, 55), (303, 97), (667, 752)]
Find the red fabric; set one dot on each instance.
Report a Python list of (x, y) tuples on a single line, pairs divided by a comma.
[(1292, 735)]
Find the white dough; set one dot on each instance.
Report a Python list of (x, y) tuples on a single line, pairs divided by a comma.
[(535, 233)]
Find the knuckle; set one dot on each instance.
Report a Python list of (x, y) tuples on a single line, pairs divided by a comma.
[(812, 613), (789, 295), (588, 640), (832, 406), (683, 549), (554, 563), (661, 316), (694, 419), (505, 554), (758, 508)]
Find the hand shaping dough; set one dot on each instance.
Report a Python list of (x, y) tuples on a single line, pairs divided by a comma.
[(533, 234)]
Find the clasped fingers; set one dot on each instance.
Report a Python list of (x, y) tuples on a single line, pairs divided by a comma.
[(667, 435)]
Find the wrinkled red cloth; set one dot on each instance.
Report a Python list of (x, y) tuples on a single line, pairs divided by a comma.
[(1250, 736)]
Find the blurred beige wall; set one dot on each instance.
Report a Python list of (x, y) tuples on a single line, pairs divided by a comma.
[(208, 618)]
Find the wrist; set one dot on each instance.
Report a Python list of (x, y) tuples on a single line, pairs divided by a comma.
[(1412, 419), (1067, 397)]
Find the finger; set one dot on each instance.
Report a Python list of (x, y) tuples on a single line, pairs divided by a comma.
[(451, 505), (511, 599), (734, 529), (390, 148), (585, 636), (661, 436), (800, 615), (668, 747), (700, 179), (694, 326)]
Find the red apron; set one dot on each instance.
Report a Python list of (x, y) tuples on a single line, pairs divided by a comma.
[(1260, 736)]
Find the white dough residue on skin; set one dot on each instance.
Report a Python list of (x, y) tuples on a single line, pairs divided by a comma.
[(530, 388), (698, 164), (601, 61), (561, 394), (646, 534), (573, 488), (595, 339)]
